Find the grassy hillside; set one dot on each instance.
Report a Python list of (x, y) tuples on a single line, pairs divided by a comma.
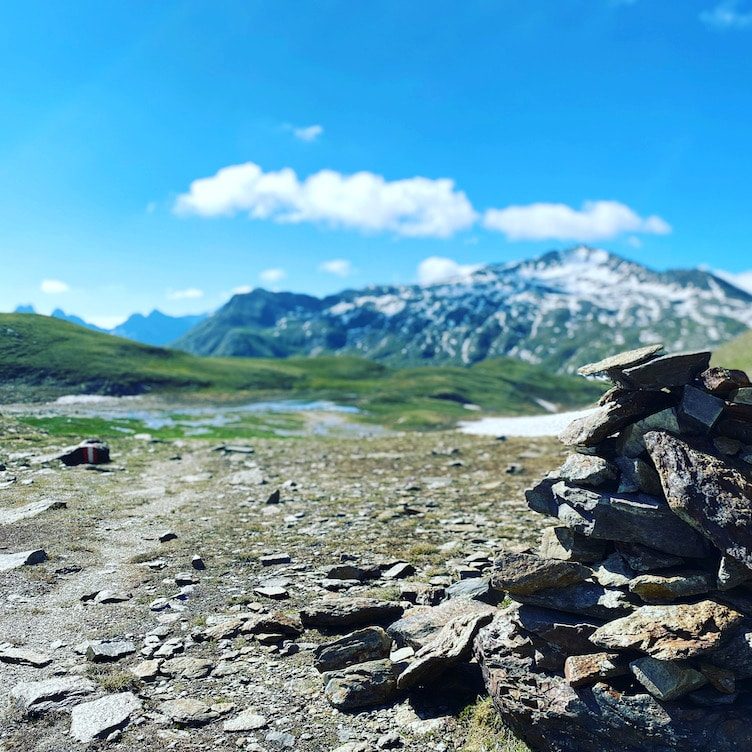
[(42, 358), (736, 354)]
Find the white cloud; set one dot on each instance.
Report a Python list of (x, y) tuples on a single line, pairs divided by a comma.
[(597, 220), (413, 207), (308, 133), (436, 269), (54, 286), (272, 275), (727, 15), (242, 289), (338, 267), (190, 293)]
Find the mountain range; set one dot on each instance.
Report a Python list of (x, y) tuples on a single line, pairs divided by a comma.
[(561, 309), (156, 328)]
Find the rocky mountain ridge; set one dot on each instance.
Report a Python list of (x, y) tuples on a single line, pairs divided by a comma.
[(560, 309)]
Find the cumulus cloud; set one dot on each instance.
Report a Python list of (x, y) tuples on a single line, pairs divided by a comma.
[(413, 207), (596, 220), (272, 275), (54, 286), (437, 269), (308, 133), (338, 267), (190, 293), (727, 15)]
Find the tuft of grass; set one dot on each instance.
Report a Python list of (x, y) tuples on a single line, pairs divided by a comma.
[(485, 731), (112, 679)]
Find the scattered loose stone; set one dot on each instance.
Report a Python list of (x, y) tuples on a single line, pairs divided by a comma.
[(187, 668), (188, 712), (271, 560), (16, 514), (111, 596), (99, 719), (363, 685), (247, 720), (168, 535), (22, 559), (24, 657), (103, 651), (398, 571), (147, 670), (198, 563), (666, 680), (51, 694), (369, 644), (274, 593)]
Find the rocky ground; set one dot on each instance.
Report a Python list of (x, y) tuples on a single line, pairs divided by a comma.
[(122, 612)]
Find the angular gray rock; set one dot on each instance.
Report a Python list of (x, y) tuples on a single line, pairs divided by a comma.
[(522, 574), (98, 719), (104, 651), (561, 542), (24, 657), (246, 720), (660, 588), (613, 572), (706, 492), (363, 685), (349, 612), (610, 418), (614, 364), (185, 667), (667, 371), (666, 680), (419, 625), (629, 518), (586, 470), (452, 643), (700, 409), (369, 644), (585, 598), (187, 711), (51, 694), (581, 670)]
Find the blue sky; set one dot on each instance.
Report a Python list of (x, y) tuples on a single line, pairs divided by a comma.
[(162, 154)]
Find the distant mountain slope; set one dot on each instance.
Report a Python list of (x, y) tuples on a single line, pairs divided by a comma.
[(157, 328), (736, 354), (43, 358), (562, 309)]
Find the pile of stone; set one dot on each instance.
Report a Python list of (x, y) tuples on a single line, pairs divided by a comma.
[(631, 626)]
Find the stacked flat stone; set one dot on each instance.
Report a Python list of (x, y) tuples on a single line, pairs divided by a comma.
[(631, 625)]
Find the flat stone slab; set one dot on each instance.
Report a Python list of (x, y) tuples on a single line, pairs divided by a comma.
[(100, 718), (581, 670), (22, 559), (706, 492), (104, 651), (363, 685), (668, 371), (628, 518), (673, 632), (666, 680), (621, 361), (247, 720), (451, 644), (349, 612), (369, 644), (51, 694), (585, 599), (23, 657), (16, 514), (659, 588), (520, 573)]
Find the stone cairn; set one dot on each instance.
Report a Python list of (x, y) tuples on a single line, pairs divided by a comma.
[(631, 627)]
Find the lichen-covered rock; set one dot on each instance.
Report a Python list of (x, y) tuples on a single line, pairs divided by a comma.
[(522, 574), (349, 612), (363, 685), (368, 644), (673, 632), (551, 716), (706, 492)]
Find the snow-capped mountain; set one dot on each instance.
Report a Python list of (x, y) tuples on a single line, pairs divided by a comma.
[(561, 309)]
